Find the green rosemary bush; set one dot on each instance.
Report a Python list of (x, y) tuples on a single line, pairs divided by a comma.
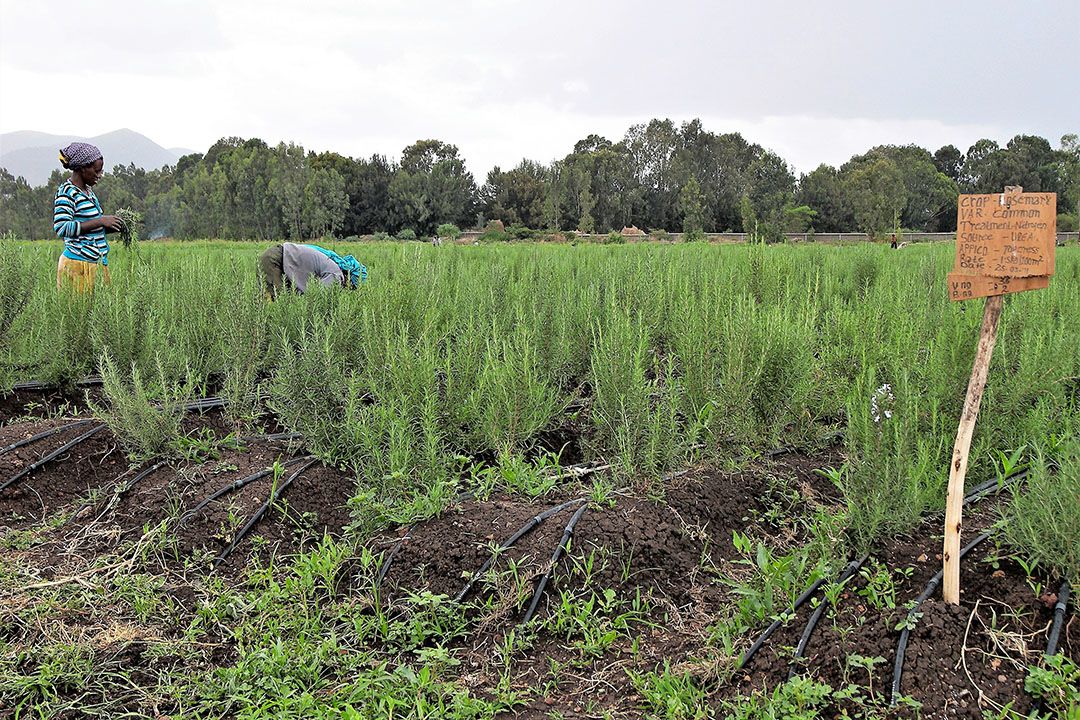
[(1042, 521), (146, 415)]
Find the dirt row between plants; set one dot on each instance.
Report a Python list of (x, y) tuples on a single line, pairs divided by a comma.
[(102, 503), (634, 545), (961, 661)]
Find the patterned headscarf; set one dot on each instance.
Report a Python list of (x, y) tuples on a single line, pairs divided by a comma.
[(79, 155)]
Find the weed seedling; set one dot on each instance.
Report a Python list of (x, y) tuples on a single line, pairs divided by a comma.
[(1008, 465), (854, 660)]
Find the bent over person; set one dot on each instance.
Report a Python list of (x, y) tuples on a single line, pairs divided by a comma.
[(294, 265), (79, 220)]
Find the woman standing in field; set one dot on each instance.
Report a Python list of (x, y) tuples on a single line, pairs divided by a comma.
[(79, 220)]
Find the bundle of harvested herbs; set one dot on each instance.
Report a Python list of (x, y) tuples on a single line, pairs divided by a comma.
[(129, 232)]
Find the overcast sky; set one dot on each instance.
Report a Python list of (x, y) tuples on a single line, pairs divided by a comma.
[(814, 81)]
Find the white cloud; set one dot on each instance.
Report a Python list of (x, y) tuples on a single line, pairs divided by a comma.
[(500, 80), (575, 87)]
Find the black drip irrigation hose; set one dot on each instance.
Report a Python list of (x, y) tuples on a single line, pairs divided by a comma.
[(977, 493), (236, 485), (133, 482), (804, 639), (901, 646), (1055, 633), (274, 436), (38, 385), (389, 560), (1059, 618), (559, 550), (522, 531), (144, 474), (30, 385), (749, 654), (43, 435), (258, 514), (828, 438), (982, 490), (51, 456), (205, 404), (385, 567)]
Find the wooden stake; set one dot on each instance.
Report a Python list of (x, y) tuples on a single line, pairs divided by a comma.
[(958, 467)]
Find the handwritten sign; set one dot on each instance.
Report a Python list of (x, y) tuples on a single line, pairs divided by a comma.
[(1004, 235), (968, 287), (1004, 243)]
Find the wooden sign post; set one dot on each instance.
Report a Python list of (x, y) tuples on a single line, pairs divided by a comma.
[(1004, 244)]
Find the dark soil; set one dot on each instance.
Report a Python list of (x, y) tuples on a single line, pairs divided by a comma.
[(960, 661), (963, 660), (14, 460), (312, 506), (90, 465), (669, 551), (92, 489), (48, 402), (652, 545)]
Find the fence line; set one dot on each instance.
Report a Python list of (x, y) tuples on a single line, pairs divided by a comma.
[(470, 236)]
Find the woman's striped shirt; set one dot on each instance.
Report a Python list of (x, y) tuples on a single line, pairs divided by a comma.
[(72, 208)]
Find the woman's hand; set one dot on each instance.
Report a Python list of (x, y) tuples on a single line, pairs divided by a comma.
[(111, 223)]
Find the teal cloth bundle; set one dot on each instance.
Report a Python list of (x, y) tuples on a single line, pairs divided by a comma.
[(356, 271)]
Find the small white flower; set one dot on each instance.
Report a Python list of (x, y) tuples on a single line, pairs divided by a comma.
[(881, 403)]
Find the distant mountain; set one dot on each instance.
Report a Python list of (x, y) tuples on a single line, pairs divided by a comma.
[(33, 155)]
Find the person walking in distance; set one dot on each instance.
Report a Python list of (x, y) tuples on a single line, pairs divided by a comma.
[(79, 220)]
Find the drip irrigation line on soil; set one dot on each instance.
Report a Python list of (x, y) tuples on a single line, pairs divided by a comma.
[(236, 485), (804, 640), (270, 437), (209, 403), (980, 491), (521, 532), (404, 539), (39, 385), (143, 474), (775, 624), (912, 616), (140, 477), (559, 550), (578, 471), (1055, 633), (258, 514), (1059, 618), (385, 567), (784, 449), (42, 435), (799, 602), (977, 493), (276, 436), (51, 456)]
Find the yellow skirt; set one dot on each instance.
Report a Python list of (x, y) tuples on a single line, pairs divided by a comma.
[(79, 273)]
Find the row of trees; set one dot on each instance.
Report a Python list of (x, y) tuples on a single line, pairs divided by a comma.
[(659, 176)]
